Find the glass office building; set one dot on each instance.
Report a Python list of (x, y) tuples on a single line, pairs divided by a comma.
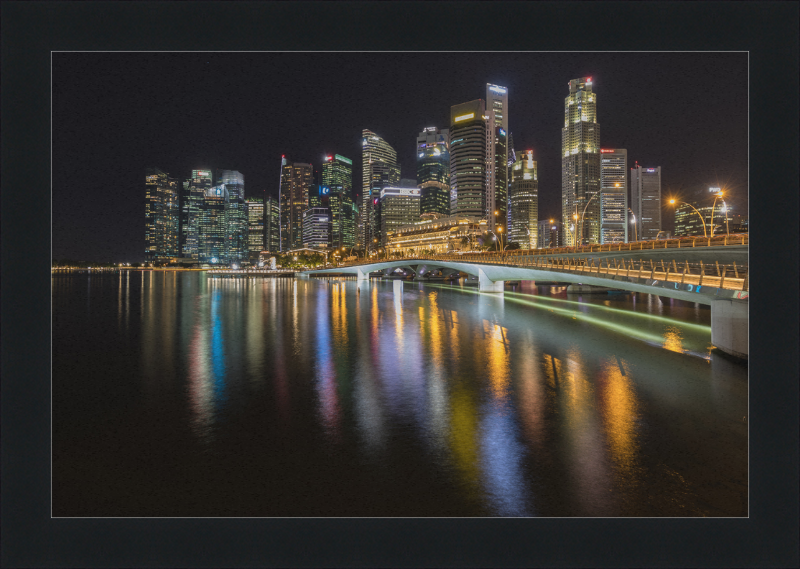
[(468, 159), (379, 170), (255, 228), (613, 195), (433, 170), (296, 181), (524, 202), (497, 197), (580, 164), (162, 216), (194, 191), (646, 201), (213, 226), (396, 207), (236, 235), (337, 174), (272, 220)]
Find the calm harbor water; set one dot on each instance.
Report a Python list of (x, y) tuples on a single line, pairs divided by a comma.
[(179, 394)]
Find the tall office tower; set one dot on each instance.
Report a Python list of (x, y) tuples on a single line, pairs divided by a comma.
[(162, 216), (468, 161), (380, 169), (613, 195), (194, 191), (348, 222), (646, 201), (512, 158), (337, 174), (272, 225), (524, 200), (433, 170), (319, 196), (497, 106), (549, 230), (255, 228), (580, 165), (317, 227), (212, 226), (296, 181), (397, 206), (236, 215)]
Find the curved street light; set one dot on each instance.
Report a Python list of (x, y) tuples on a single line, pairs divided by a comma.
[(633, 222), (713, 207), (705, 234), (594, 195)]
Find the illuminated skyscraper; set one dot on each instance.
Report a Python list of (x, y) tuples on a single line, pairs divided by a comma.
[(317, 227), (396, 207), (549, 234), (380, 169), (433, 170), (646, 201), (194, 191), (162, 216), (236, 249), (337, 174), (296, 181), (524, 200), (255, 228), (580, 164), (468, 159), (213, 226), (613, 195), (497, 197), (272, 221)]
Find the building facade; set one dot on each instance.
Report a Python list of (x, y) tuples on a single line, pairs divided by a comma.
[(613, 195), (236, 234), (296, 181), (396, 207), (524, 202), (468, 160), (194, 191), (255, 228), (442, 235), (693, 220), (272, 224), (580, 164), (646, 201), (337, 174), (379, 170), (162, 216), (213, 226), (317, 228), (497, 194), (433, 170), (549, 234)]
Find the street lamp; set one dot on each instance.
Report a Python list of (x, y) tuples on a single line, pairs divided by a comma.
[(584, 213), (713, 207), (633, 222), (705, 234)]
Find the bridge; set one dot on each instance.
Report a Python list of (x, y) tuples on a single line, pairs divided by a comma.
[(723, 286)]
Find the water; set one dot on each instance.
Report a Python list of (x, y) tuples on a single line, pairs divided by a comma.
[(179, 394)]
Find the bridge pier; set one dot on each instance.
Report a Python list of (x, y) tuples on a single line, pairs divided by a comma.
[(360, 275), (729, 327), (485, 284)]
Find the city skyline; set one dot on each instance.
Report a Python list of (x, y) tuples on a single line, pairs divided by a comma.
[(651, 133)]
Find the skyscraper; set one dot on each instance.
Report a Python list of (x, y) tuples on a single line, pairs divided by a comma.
[(296, 181), (497, 197), (524, 200), (380, 169), (162, 216), (613, 195), (468, 160), (580, 165), (396, 207), (255, 228), (337, 174), (194, 191), (212, 226), (646, 201), (548, 236), (236, 249), (433, 170), (317, 227), (272, 221)]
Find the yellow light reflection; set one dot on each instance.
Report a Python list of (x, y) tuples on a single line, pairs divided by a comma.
[(673, 339), (620, 409), (498, 358), (463, 442)]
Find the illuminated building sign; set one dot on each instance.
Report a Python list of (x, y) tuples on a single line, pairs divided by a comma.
[(603, 150), (651, 169), (502, 132), (588, 79), (343, 159), (465, 117), (714, 190), (325, 189), (497, 89), (328, 158)]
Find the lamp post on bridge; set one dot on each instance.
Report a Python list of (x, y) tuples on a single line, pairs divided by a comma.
[(705, 234), (633, 222)]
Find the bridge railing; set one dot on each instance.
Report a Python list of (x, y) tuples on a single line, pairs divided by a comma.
[(714, 275)]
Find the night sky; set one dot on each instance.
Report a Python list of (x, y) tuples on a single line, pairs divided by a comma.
[(114, 114)]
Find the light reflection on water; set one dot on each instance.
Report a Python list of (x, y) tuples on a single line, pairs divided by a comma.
[(532, 403)]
